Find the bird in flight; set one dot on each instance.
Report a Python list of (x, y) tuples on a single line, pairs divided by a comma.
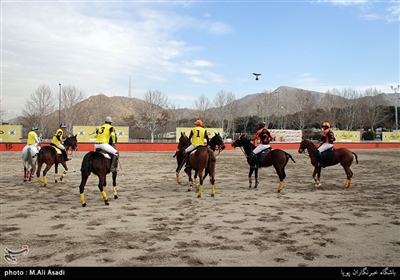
[(256, 76)]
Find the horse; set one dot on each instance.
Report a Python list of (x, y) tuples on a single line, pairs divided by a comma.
[(180, 154), (99, 163), (216, 144), (330, 157), (273, 157), (51, 155), (29, 161)]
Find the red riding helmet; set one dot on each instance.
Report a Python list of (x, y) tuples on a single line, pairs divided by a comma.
[(198, 123)]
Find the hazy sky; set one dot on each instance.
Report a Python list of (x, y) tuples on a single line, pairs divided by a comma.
[(186, 49)]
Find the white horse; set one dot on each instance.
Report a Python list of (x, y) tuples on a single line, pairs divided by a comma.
[(29, 157)]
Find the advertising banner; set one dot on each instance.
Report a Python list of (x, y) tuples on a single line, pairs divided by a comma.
[(391, 136), (87, 133), (286, 135), (11, 133), (347, 136), (210, 131)]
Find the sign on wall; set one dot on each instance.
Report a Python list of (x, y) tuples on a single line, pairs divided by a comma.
[(10, 133), (210, 131), (347, 136), (286, 135), (390, 136), (87, 133)]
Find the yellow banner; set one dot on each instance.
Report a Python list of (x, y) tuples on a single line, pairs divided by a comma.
[(347, 136), (87, 133), (10, 133), (390, 136), (210, 131)]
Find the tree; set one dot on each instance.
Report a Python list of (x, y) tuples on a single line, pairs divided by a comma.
[(226, 110), (202, 105), (70, 96), (38, 107), (2, 109), (153, 115)]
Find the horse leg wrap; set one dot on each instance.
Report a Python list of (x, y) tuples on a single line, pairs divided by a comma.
[(250, 183), (190, 186), (200, 191), (104, 194), (40, 182), (55, 177), (82, 197), (256, 184), (212, 190), (178, 180), (115, 190), (280, 186), (45, 180), (64, 173)]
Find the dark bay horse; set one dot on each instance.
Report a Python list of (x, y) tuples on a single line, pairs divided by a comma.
[(50, 156), (331, 157), (99, 163), (277, 158)]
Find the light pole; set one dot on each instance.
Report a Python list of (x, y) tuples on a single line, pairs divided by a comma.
[(59, 104), (395, 89)]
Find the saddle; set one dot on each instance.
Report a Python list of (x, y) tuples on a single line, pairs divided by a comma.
[(104, 153), (328, 153), (261, 156), (57, 149)]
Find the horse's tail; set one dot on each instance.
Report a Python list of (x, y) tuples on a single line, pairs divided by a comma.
[(355, 156), (290, 156)]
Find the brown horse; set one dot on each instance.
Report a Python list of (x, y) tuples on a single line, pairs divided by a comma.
[(277, 158), (180, 154), (202, 158), (98, 163), (50, 156), (216, 144), (331, 157)]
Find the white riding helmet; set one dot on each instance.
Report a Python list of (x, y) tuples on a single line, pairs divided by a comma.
[(108, 119)]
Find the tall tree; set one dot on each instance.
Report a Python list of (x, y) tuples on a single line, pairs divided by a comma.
[(202, 105), (70, 96), (40, 104), (153, 115), (2, 109)]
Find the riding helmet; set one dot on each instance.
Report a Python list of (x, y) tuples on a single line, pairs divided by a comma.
[(261, 124), (326, 124), (63, 125), (198, 123), (34, 127), (108, 120)]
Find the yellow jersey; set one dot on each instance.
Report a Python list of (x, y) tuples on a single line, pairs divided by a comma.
[(104, 133), (198, 134), (31, 138), (58, 137)]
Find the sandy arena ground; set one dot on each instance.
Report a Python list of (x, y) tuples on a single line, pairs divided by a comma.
[(157, 222)]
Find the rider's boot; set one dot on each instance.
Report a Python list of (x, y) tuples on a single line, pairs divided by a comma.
[(320, 159), (66, 158), (187, 159), (114, 163), (254, 158)]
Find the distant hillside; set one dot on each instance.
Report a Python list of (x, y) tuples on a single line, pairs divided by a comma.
[(92, 110)]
